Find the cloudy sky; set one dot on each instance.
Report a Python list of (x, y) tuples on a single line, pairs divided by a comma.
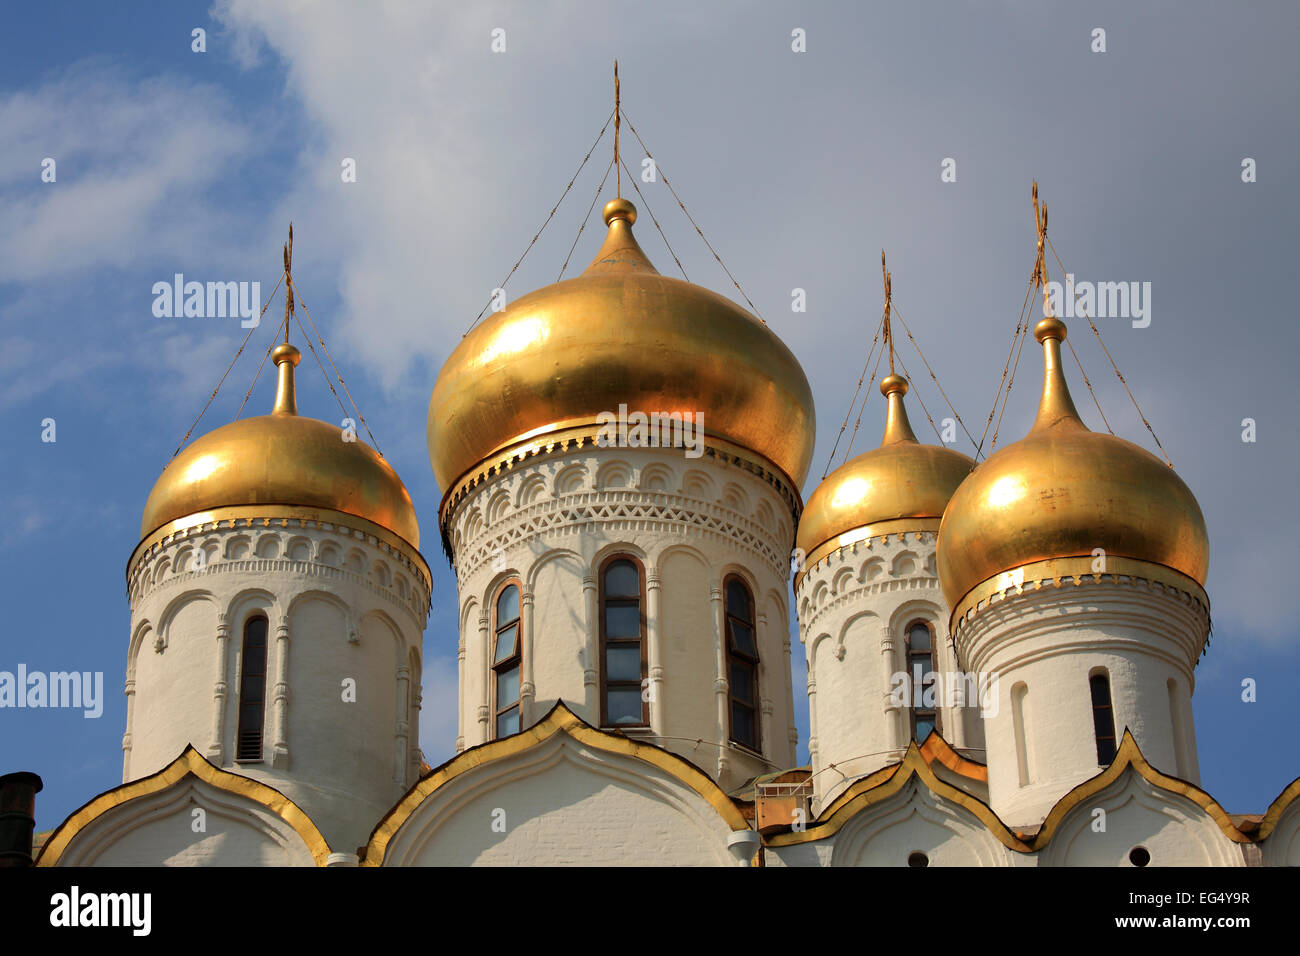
[(799, 167)]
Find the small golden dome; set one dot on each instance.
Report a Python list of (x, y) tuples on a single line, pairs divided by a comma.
[(902, 479), (282, 459), (619, 334), (1063, 491)]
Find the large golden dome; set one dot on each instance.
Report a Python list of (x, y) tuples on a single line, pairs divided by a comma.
[(282, 459), (902, 479), (619, 334), (1061, 493)]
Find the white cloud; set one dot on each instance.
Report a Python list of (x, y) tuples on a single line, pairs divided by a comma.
[(134, 161)]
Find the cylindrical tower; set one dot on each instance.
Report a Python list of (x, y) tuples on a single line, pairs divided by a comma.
[(1074, 563), (278, 603), (874, 623), (620, 455)]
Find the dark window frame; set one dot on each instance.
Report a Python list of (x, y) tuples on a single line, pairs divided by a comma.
[(605, 641), (752, 663), (910, 656), (514, 661), (1103, 718), (250, 730)]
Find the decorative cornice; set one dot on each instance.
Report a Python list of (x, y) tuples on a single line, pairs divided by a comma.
[(1073, 570), (310, 569), (578, 438), (867, 534), (190, 762), (260, 517), (570, 513)]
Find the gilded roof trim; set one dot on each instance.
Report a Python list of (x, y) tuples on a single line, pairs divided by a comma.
[(189, 762), (1130, 756), (559, 720), (885, 783), (1275, 809)]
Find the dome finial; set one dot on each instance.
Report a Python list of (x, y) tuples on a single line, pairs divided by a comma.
[(1055, 407), (893, 386), (618, 172), (285, 355)]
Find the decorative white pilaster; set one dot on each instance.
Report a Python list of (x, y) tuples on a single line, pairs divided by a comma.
[(526, 689), (460, 709), (654, 636), (485, 699), (896, 718), (720, 685), (130, 721), (216, 749), (280, 751), (590, 676), (401, 732)]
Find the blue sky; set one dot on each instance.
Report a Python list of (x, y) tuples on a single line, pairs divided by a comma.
[(799, 167)]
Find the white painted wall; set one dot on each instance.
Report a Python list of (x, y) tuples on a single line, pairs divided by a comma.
[(1051, 639), (552, 519), (340, 605), (854, 609)]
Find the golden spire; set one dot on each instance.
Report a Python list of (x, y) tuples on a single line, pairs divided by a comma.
[(618, 174), (1055, 407), (893, 387), (285, 355)]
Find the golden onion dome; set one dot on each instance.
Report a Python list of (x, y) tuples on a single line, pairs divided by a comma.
[(285, 460), (900, 486), (1063, 492), (620, 334)]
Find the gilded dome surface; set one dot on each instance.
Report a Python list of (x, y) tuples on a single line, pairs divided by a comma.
[(620, 334), (281, 459), (1063, 491), (901, 479)]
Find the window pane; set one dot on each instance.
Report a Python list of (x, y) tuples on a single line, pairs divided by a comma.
[(738, 600), (622, 580), (623, 662), (508, 723), (924, 724), (623, 706), (742, 639), (623, 620), (507, 687), (742, 725), (508, 606), (742, 682), (918, 638), (506, 641), (1100, 690)]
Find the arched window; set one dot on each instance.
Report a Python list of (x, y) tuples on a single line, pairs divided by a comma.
[(1103, 718), (920, 667), (505, 661), (622, 644), (742, 663), (252, 691)]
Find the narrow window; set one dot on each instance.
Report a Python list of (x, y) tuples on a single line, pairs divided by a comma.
[(742, 664), (1103, 719), (622, 643), (505, 661), (920, 666), (252, 691)]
